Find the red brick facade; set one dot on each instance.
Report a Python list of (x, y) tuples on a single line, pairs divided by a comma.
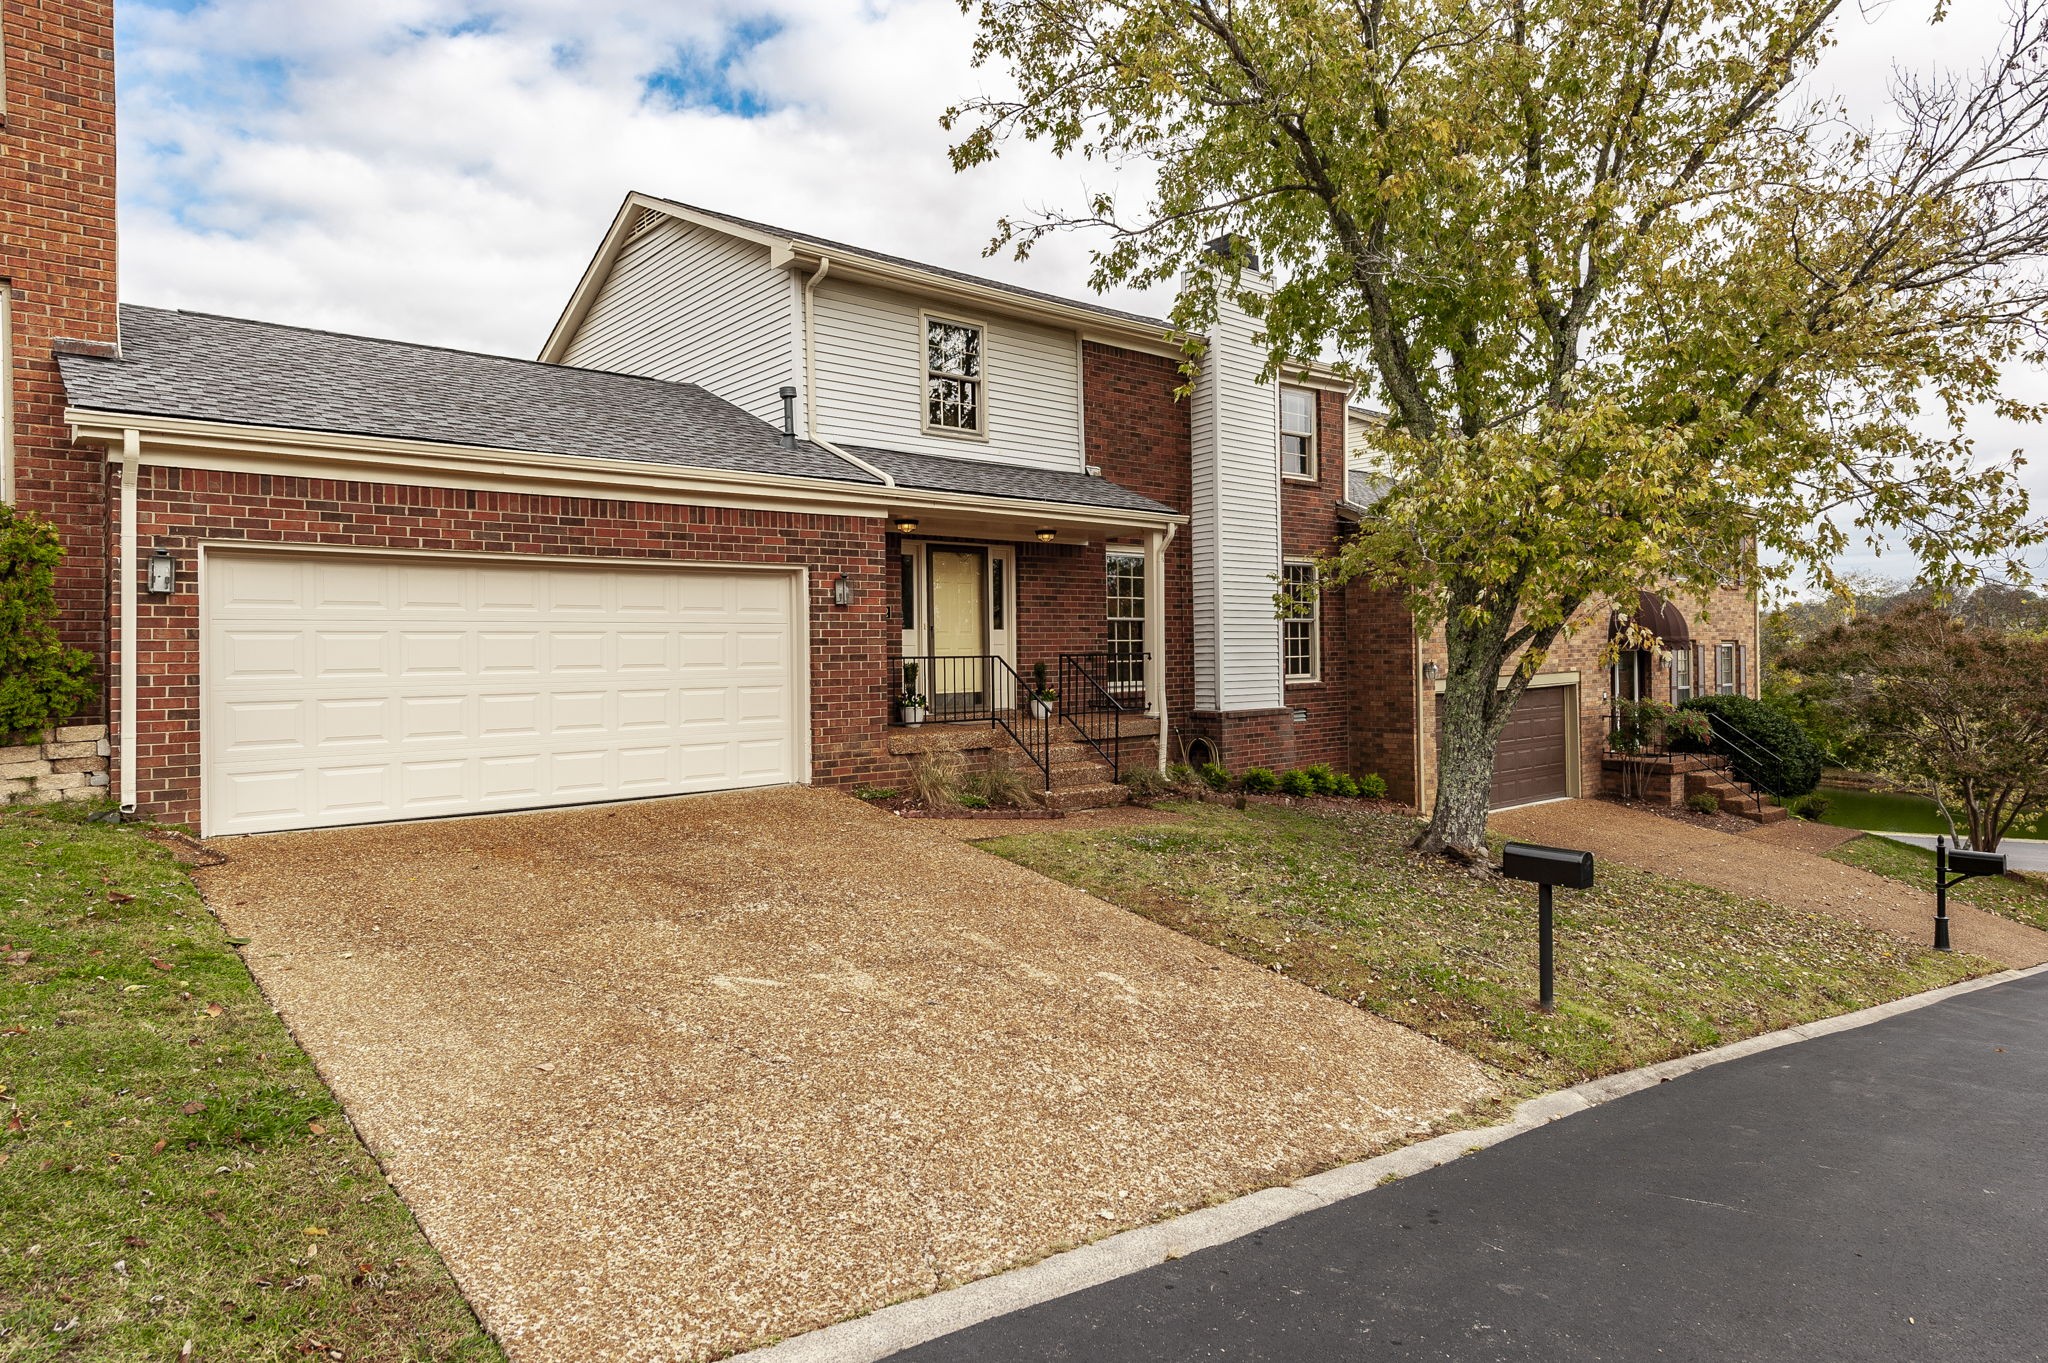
[(57, 262), (182, 508)]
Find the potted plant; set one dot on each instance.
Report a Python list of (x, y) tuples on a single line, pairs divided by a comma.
[(911, 700), (1042, 693)]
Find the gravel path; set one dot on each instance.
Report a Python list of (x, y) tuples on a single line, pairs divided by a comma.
[(1768, 869), (667, 1079), (1803, 835)]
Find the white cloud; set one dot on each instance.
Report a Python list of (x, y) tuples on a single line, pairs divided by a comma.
[(407, 168)]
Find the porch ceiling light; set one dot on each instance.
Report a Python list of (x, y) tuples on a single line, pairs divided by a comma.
[(1046, 534), (906, 524)]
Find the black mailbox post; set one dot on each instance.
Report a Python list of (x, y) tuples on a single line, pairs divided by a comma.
[(1546, 867), (1962, 866)]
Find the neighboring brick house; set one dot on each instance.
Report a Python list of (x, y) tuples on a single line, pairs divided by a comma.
[(692, 547), (57, 291), (1556, 741)]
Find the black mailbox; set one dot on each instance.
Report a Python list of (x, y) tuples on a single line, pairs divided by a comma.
[(1977, 863), (1547, 865)]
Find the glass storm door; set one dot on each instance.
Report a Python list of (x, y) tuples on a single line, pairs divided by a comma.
[(959, 626)]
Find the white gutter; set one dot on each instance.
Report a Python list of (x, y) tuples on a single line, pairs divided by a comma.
[(811, 378), (1165, 728), (131, 455)]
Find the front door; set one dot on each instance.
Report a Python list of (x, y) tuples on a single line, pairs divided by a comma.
[(959, 627)]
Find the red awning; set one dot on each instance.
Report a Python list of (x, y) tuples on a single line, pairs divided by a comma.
[(1656, 615)]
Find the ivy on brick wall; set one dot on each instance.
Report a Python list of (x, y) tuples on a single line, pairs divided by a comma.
[(42, 683)]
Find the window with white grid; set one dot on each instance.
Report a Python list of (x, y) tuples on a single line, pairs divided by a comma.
[(1300, 626), (1725, 679), (952, 377), (1124, 604), (1297, 433)]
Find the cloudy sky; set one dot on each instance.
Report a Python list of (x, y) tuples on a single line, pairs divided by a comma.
[(440, 170)]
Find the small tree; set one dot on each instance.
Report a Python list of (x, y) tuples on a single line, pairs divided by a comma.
[(1943, 706), (41, 681)]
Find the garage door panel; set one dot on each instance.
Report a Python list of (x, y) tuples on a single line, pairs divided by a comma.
[(1532, 757), (320, 717)]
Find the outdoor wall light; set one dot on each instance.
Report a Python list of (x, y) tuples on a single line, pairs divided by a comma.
[(842, 591), (906, 525), (1046, 534), (163, 573), (1431, 670)]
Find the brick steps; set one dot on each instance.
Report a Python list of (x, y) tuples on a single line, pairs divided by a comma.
[(1737, 799)]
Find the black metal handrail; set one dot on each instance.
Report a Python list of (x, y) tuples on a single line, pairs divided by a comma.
[(1090, 701), (982, 688), (1747, 747), (1722, 732)]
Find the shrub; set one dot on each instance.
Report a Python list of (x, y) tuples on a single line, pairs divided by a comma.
[(1344, 788), (42, 683), (1182, 776), (1001, 787), (1809, 806), (1214, 775), (1259, 781), (1780, 758), (1322, 777), (1297, 783), (1706, 802), (1146, 783), (1373, 786), (935, 779)]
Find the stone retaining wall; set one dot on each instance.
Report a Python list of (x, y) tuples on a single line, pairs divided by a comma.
[(69, 764)]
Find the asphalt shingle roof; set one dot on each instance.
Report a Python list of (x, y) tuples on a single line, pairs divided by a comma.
[(207, 368), (975, 477), (200, 367)]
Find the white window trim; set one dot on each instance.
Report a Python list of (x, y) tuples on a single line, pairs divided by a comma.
[(1136, 551), (1732, 686), (1681, 659), (1314, 676), (1315, 453), (925, 318)]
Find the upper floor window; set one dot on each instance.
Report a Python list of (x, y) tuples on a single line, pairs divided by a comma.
[(1297, 433), (952, 377), (1300, 626)]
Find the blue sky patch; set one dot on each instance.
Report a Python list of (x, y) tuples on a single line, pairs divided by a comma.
[(698, 78)]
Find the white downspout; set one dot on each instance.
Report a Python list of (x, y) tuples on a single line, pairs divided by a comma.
[(131, 453), (811, 379)]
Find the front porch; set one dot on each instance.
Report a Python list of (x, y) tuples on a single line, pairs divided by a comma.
[(1035, 644)]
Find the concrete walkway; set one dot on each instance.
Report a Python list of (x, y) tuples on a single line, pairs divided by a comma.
[(669, 1079), (1770, 871), (1871, 1196), (2021, 854)]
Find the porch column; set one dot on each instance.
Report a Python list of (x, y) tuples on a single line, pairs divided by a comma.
[(1155, 632)]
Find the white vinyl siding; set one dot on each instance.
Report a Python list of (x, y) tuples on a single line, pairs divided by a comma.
[(870, 355), (1236, 521), (689, 304)]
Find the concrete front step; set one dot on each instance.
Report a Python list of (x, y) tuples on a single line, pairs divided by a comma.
[(1067, 799)]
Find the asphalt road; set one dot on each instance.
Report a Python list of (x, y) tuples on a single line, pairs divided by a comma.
[(2021, 854), (1878, 1194)]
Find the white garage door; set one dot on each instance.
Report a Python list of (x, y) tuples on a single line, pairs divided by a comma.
[(342, 690)]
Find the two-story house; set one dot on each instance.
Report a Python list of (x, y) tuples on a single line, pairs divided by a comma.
[(753, 475)]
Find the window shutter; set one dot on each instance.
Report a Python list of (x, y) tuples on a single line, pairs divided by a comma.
[(1741, 671)]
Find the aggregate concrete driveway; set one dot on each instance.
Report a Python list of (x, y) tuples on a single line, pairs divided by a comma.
[(665, 1080)]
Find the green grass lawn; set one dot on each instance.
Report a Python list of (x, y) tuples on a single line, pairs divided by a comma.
[(1892, 813), (171, 1167), (2022, 899), (1648, 968)]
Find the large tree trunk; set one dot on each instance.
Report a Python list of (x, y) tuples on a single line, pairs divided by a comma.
[(1474, 710)]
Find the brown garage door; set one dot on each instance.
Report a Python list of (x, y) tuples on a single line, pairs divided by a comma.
[(1533, 759)]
